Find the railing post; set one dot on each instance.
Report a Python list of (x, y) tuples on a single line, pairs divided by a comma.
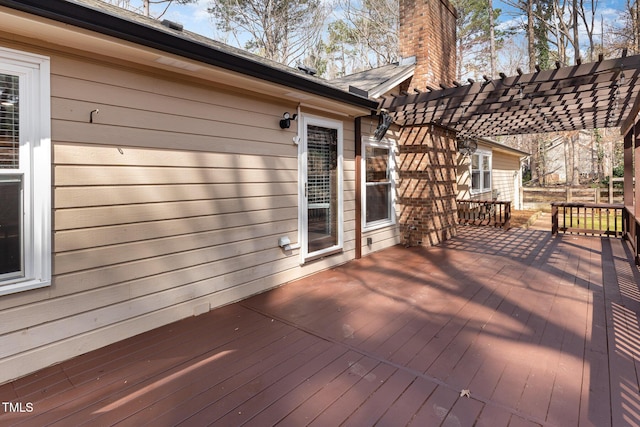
[(507, 216), (636, 226), (625, 222), (554, 219)]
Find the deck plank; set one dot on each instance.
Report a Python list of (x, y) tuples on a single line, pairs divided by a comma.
[(541, 330), (344, 407), (252, 398), (402, 410), (335, 390), (183, 381), (305, 391), (102, 381), (200, 393)]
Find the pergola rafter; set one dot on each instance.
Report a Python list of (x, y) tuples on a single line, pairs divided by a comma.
[(586, 96)]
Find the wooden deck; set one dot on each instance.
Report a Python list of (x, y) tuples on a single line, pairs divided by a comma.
[(539, 330)]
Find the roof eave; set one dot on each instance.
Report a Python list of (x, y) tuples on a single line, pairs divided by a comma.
[(114, 26), (501, 147), (394, 81)]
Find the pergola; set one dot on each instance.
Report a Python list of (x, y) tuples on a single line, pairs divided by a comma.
[(585, 96)]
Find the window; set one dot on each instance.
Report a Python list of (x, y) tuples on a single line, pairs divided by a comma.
[(25, 168), (481, 172), (377, 194)]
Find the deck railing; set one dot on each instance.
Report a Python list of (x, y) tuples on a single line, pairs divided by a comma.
[(489, 212), (589, 218)]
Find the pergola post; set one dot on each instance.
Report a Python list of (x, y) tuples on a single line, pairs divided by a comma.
[(631, 193), (628, 169), (636, 191)]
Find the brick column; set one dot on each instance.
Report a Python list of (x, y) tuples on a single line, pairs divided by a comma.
[(427, 186)]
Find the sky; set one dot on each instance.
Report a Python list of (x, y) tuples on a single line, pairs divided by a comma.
[(195, 18)]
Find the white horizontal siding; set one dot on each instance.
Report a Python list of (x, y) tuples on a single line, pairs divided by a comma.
[(171, 201), (505, 169)]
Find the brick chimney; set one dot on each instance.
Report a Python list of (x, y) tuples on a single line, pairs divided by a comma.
[(428, 32), (427, 189)]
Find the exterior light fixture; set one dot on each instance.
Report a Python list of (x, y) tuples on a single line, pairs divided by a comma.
[(384, 123), (285, 123), (466, 146)]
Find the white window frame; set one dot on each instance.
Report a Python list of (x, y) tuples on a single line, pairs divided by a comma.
[(483, 189), (306, 121), (33, 72), (391, 146)]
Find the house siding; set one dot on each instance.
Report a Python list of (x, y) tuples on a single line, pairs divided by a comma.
[(169, 204), (505, 169), (506, 177)]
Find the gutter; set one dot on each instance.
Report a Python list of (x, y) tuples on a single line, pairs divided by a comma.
[(104, 23)]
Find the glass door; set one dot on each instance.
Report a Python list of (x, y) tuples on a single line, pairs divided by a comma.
[(322, 230)]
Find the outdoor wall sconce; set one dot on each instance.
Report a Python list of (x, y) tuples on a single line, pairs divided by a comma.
[(285, 123)]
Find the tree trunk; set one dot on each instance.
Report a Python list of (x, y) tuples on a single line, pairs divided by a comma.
[(531, 39), (576, 38), (568, 160), (637, 27), (492, 41)]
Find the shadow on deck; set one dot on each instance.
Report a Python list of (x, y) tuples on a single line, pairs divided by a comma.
[(491, 328)]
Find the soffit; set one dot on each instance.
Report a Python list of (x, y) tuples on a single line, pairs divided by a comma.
[(595, 95)]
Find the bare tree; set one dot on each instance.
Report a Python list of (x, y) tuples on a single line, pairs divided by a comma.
[(625, 33), (588, 19), (366, 36), (281, 30), (476, 38), (512, 58)]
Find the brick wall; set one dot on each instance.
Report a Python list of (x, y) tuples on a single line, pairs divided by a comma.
[(427, 186)]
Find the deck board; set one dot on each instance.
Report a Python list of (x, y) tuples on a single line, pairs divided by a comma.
[(540, 330)]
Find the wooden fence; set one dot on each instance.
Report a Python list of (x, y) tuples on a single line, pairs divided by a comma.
[(489, 212), (539, 197)]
